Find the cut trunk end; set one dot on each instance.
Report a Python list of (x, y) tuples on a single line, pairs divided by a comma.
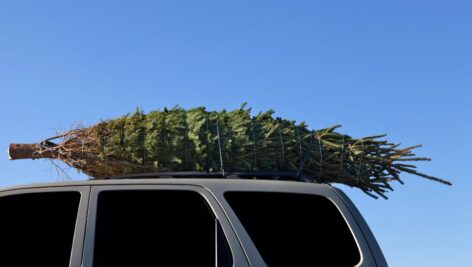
[(27, 151)]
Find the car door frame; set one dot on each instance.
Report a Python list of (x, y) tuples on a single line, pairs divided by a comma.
[(239, 258), (250, 249), (79, 231)]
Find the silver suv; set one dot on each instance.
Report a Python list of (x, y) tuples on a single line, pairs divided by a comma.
[(148, 221)]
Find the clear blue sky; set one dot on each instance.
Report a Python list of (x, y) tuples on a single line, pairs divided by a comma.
[(397, 67)]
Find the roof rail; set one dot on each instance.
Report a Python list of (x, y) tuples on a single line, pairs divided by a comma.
[(285, 176)]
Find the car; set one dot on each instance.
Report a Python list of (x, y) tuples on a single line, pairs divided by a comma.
[(183, 220)]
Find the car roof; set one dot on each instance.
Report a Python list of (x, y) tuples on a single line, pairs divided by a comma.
[(203, 182)]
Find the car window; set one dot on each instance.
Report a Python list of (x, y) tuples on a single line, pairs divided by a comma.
[(157, 228), (37, 229), (295, 229)]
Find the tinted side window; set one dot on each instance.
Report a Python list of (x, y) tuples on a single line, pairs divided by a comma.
[(154, 228), (295, 229), (37, 229)]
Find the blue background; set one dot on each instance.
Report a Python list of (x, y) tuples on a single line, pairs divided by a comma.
[(397, 67)]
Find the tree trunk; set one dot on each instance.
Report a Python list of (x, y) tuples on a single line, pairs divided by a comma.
[(27, 151)]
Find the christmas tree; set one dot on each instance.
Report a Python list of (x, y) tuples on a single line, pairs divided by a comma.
[(224, 142)]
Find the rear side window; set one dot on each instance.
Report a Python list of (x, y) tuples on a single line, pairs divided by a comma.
[(37, 229), (156, 228), (295, 229)]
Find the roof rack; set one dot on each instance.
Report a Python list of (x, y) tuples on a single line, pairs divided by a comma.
[(285, 176)]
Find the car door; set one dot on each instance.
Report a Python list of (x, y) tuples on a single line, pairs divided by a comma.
[(43, 226), (293, 224), (158, 225)]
